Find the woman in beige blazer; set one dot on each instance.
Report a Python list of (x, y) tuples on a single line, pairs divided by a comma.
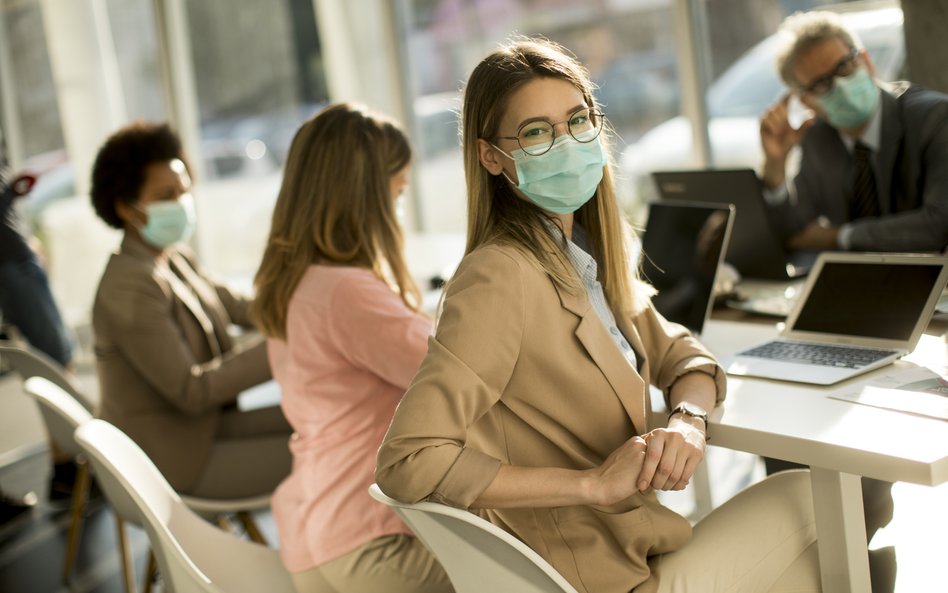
[(532, 404), (169, 371)]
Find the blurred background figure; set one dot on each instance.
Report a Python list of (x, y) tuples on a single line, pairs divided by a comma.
[(874, 168), (341, 311), (873, 176), (29, 313), (169, 370)]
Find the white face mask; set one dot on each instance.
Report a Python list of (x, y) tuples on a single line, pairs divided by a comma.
[(851, 101), (169, 222), (562, 179)]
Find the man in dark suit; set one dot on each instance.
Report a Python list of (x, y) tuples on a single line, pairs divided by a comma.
[(874, 164), (873, 176)]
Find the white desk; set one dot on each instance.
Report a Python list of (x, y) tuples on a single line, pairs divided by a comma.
[(840, 441)]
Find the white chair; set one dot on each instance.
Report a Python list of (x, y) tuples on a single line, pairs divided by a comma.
[(62, 413), (75, 407), (477, 555), (30, 362), (241, 508), (193, 556)]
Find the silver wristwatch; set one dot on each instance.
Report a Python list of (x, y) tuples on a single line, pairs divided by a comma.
[(693, 410)]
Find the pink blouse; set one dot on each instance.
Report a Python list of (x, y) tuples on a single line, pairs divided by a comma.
[(352, 347)]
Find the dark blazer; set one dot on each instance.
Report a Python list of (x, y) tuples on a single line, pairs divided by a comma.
[(911, 176), (166, 363), (523, 372)]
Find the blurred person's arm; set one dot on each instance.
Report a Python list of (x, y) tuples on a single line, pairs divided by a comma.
[(788, 201)]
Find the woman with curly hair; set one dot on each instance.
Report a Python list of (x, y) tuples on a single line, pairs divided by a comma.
[(169, 371)]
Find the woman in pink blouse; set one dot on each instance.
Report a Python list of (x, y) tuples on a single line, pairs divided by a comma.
[(340, 309)]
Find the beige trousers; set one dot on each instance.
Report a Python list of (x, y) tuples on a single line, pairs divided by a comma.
[(761, 541), (389, 564)]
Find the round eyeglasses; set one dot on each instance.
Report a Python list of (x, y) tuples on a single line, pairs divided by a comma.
[(537, 137)]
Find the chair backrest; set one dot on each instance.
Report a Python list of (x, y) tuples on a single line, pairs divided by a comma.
[(62, 415), (192, 555), (61, 412), (477, 555), (30, 362)]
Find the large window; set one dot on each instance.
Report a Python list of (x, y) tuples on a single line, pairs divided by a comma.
[(73, 242), (30, 77), (258, 73), (630, 49), (627, 46), (744, 83)]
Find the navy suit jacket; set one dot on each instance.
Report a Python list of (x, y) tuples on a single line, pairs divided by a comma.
[(911, 176)]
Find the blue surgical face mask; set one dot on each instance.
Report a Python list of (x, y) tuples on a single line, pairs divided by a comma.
[(169, 222), (851, 101), (562, 179)]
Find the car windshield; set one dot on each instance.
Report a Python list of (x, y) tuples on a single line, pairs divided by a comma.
[(751, 84), (748, 86)]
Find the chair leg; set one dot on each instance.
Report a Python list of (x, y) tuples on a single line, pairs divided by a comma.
[(253, 532), (125, 556), (80, 496), (150, 571), (224, 523)]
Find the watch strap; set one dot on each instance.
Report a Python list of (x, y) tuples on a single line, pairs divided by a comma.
[(687, 411)]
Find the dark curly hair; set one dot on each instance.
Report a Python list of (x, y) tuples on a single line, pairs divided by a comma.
[(119, 169)]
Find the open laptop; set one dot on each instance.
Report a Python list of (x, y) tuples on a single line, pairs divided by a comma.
[(754, 250), (683, 245), (858, 312)]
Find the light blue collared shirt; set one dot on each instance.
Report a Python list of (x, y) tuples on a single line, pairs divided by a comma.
[(577, 250)]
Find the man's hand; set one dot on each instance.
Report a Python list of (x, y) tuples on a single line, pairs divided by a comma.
[(777, 138)]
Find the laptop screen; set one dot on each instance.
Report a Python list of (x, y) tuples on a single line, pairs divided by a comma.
[(682, 245), (871, 300), (754, 248)]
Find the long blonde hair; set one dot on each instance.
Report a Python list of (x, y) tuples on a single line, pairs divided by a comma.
[(497, 215), (335, 207)]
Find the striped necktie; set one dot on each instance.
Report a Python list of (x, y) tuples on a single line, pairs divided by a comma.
[(864, 201)]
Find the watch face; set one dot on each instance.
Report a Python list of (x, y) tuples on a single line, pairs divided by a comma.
[(692, 410)]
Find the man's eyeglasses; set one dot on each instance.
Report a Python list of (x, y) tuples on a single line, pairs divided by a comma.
[(844, 67), (537, 137)]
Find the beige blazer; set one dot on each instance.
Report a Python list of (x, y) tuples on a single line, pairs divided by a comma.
[(166, 363), (522, 372)]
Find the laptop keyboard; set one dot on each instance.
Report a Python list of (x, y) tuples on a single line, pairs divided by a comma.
[(819, 354)]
